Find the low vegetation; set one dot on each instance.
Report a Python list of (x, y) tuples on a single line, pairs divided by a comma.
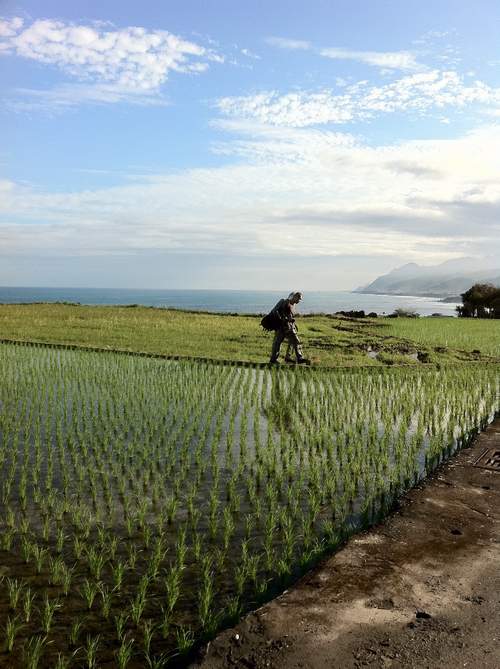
[(332, 341)]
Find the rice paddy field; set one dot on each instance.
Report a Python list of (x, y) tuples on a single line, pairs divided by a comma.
[(146, 503)]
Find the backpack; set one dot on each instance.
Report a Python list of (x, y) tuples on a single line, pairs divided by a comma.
[(270, 322)]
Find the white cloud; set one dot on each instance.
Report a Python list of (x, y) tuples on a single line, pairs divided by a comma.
[(398, 60), (64, 96), (130, 61), (81, 169), (10, 28), (248, 53), (284, 43), (417, 94), (296, 191)]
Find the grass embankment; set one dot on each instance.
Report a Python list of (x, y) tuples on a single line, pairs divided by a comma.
[(466, 333), (332, 341)]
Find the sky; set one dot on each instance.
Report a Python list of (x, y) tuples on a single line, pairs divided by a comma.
[(245, 144)]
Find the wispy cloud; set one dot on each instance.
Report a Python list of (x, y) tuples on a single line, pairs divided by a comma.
[(396, 60), (81, 169), (283, 43), (64, 96), (433, 34), (417, 94), (116, 63), (248, 53), (301, 191)]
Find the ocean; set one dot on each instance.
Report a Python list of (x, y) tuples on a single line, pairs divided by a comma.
[(240, 301)]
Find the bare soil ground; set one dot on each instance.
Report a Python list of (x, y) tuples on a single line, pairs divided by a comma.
[(420, 590)]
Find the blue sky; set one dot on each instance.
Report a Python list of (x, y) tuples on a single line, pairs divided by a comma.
[(246, 144)]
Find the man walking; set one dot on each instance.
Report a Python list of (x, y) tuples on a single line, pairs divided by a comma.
[(284, 313)]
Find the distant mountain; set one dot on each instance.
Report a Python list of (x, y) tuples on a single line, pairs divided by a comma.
[(451, 277)]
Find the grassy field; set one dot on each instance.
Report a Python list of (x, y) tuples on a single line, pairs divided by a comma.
[(465, 333), (331, 341)]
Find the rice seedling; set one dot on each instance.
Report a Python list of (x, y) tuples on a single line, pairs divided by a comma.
[(47, 523), (154, 564), (79, 545), (56, 568), (185, 641), (90, 590), (124, 653), (252, 564), (212, 624), (146, 535), (47, 612), (39, 554), (260, 591), (305, 559), (283, 568), (7, 539), (331, 537), (137, 607), (213, 524), (91, 649), (64, 662), (173, 585), (12, 627), (26, 549), (235, 607), (32, 651), (171, 506), (148, 631), (166, 623), (107, 597), (60, 539), (76, 629), (181, 549), (240, 576), (28, 603), (120, 621), (119, 571), (206, 595), (132, 555), (96, 559), (220, 555), (159, 662), (112, 546), (14, 588), (10, 516), (66, 577)]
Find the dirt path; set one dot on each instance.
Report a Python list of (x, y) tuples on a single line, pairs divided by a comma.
[(420, 590)]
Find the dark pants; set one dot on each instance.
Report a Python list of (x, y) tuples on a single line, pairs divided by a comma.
[(292, 337)]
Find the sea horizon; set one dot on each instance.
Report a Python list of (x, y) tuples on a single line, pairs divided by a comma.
[(220, 300)]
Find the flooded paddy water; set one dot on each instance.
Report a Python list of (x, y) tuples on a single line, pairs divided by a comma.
[(146, 503)]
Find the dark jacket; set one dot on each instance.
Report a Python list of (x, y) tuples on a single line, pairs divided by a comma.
[(284, 312)]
